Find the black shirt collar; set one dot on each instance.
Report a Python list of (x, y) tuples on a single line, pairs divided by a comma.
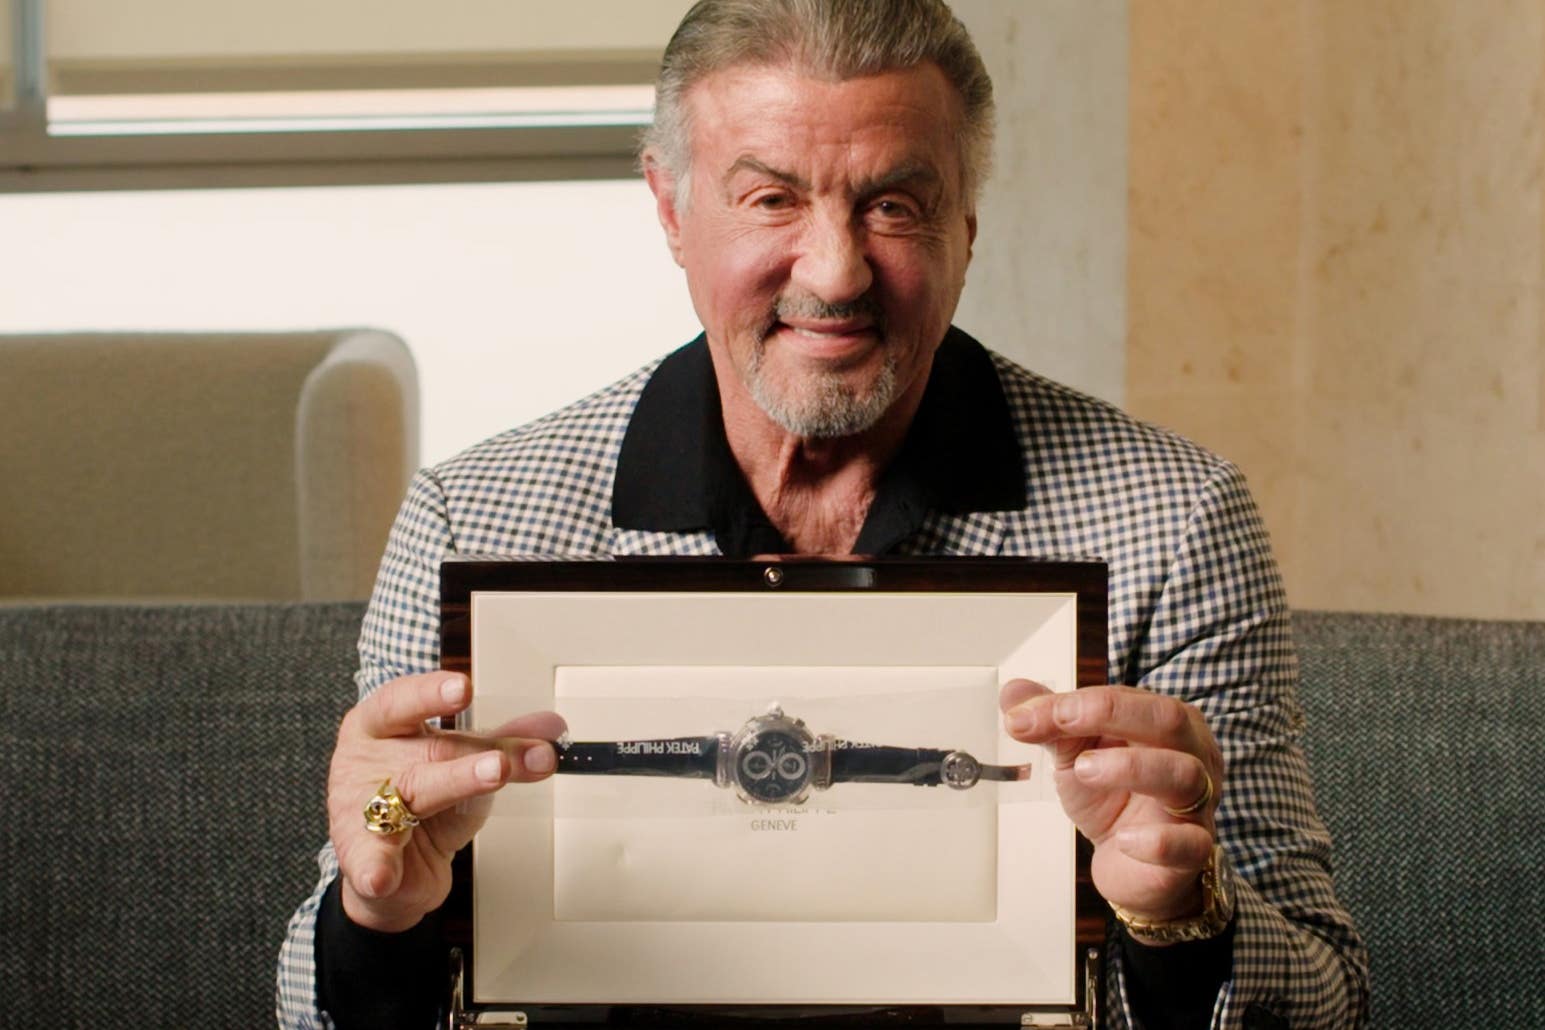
[(676, 472)]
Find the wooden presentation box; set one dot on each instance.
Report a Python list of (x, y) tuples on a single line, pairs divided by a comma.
[(673, 901)]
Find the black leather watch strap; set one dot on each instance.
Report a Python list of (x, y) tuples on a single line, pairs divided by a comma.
[(868, 763), (689, 757)]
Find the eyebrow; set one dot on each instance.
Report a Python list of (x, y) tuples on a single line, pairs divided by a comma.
[(912, 171), (919, 172), (747, 163)]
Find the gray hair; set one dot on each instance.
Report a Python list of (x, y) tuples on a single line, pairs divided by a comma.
[(834, 39)]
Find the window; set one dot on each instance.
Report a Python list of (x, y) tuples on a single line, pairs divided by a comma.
[(184, 92)]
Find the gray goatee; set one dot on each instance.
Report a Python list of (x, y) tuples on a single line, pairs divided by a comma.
[(821, 405)]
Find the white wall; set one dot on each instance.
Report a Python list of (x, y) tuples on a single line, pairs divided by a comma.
[(514, 298), (1048, 283)]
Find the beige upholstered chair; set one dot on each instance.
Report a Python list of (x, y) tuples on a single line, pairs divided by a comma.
[(209, 466)]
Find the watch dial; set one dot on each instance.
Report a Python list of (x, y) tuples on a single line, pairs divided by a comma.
[(773, 766)]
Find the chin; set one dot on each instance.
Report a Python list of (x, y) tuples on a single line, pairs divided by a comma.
[(826, 406)]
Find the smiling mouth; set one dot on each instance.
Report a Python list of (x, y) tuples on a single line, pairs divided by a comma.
[(831, 343), (830, 333), (829, 330)]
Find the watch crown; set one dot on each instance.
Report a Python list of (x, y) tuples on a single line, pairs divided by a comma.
[(775, 710)]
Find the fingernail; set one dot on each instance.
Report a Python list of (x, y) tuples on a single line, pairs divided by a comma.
[(487, 769), (454, 691), (1020, 719), (1066, 709), (1087, 766), (540, 759)]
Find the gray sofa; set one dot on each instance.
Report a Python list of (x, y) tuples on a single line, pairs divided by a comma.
[(161, 800)]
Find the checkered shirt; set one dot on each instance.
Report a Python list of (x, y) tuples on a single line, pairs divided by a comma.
[(1197, 611)]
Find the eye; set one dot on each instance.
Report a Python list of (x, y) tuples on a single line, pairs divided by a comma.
[(893, 211), (772, 200)]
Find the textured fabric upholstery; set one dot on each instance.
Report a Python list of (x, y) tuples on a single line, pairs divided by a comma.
[(162, 780), (162, 776), (202, 466), (1425, 739)]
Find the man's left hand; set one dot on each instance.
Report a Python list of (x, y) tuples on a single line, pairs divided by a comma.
[(1126, 761)]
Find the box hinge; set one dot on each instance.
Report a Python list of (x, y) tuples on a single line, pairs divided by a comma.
[(458, 1018), (1075, 1020)]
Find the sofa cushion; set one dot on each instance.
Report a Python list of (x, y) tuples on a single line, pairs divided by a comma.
[(1424, 739), (164, 773)]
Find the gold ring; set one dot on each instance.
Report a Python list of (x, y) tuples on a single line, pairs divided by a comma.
[(387, 813), (1200, 803)]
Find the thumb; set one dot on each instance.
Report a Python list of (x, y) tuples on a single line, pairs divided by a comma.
[(376, 872), (1017, 691)]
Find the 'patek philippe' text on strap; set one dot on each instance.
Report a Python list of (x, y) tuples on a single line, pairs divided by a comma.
[(692, 757)]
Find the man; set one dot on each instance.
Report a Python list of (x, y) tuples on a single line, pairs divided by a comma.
[(815, 165)]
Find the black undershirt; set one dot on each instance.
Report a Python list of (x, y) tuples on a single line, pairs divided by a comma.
[(368, 980), (1176, 988), (676, 473)]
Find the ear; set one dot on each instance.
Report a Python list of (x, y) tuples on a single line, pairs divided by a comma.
[(663, 185), (970, 234)]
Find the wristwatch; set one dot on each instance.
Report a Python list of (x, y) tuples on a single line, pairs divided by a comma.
[(1217, 910), (775, 760)]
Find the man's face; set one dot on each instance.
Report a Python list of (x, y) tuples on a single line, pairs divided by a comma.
[(825, 239)]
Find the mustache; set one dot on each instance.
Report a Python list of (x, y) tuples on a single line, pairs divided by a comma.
[(806, 306)]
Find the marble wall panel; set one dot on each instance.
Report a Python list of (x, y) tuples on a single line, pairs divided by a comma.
[(1399, 283), (1214, 212), (1214, 227)]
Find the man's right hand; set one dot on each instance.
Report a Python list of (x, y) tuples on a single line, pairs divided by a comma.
[(389, 883)]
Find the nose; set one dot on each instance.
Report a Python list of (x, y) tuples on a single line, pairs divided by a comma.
[(833, 262)]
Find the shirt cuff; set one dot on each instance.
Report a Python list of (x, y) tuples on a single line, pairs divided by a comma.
[(1176, 985), (366, 978)]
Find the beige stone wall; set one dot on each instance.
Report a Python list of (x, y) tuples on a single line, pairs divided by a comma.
[(1335, 278)]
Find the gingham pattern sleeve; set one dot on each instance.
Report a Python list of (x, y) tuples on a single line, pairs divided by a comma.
[(1219, 636), (400, 636)]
